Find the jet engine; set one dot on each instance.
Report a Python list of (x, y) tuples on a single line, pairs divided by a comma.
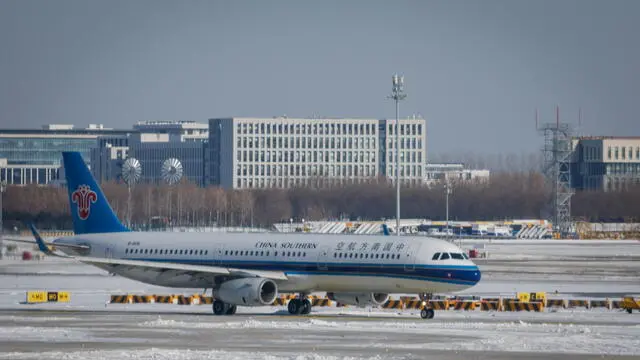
[(248, 292), (359, 299)]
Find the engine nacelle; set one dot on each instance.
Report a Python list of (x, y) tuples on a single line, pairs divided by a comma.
[(359, 299), (248, 292)]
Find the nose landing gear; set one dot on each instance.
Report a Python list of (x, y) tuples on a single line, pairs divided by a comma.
[(427, 311)]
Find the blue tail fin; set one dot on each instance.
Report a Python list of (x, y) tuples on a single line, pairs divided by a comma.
[(90, 210), (385, 229)]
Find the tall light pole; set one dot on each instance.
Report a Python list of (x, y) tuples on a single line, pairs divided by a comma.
[(397, 94), (447, 189), (3, 187)]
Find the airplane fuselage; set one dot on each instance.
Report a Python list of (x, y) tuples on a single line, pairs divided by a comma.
[(311, 262)]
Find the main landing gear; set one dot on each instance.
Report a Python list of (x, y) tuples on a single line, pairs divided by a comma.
[(222, 308), (299, 306), (427, 311)]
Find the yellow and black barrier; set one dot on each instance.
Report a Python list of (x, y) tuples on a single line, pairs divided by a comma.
[(490, 306), (408, 299), (523, 306), (321, 302), (600, 304), (119, 299), (556, 303), (393, 304), (165, 299), (465, 305), (486, 304), (439, 304), (576, 303), (35, 297), (412, 304), (630, 304)]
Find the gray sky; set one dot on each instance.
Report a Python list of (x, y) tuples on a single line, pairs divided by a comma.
[(476, 70)]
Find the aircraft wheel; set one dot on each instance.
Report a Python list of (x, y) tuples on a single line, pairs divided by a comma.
[(219, 307), (295, 307), (427, 313), (306, 307), (232, 310)]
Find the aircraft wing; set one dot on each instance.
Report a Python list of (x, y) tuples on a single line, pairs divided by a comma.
[(177, 268)]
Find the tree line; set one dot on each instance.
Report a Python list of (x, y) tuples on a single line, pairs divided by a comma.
[(506, 196)]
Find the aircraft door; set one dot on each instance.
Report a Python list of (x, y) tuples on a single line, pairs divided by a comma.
[(408, 254), (323, 258), (217, 256)]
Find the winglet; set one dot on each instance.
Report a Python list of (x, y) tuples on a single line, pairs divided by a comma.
[(41, 244), (385, 229)]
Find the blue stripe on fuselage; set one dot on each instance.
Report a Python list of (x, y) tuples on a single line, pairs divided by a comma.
[(454, 274)]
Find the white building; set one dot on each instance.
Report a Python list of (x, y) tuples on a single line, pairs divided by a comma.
[(286, 152), (605, 162)]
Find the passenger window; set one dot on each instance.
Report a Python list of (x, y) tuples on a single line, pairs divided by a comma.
[(299, 254), (226, 252), (445, 256), (377, 255), (457, 256), (366, 256), (206, 252), (261, 253), (436, 256), (304, 254), (350, 255), (267, 253), (275, 254)]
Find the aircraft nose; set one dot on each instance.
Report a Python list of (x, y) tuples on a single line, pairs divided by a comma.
[(476, 275)]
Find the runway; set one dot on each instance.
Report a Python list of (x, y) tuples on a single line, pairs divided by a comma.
[(88, 327), (51, 334)]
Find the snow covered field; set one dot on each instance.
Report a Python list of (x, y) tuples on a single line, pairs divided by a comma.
[(88, 327)]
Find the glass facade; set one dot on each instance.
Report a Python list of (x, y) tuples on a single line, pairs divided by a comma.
[(42, 151), (35, 156)]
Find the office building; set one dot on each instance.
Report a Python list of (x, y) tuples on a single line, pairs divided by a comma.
[(153, 143), (605, 163), (34, 156), (286, 152)]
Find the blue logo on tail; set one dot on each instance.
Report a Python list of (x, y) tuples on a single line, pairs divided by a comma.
[(90, 209)]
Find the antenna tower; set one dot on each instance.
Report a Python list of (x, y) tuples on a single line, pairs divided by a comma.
[(557, 150)]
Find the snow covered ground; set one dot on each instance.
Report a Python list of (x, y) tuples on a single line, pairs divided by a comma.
[(88, 327)]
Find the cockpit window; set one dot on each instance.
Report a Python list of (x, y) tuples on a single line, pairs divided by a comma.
[(436, 256), (466, 257), (457, 256), (445, 256)]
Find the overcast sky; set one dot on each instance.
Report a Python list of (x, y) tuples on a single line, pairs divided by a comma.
[(476, 70)]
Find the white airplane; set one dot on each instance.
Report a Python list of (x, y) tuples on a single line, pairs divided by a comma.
[(251, 269)]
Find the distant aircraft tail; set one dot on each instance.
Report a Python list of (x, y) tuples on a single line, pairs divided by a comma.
[(90, 209), (385, 229)]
